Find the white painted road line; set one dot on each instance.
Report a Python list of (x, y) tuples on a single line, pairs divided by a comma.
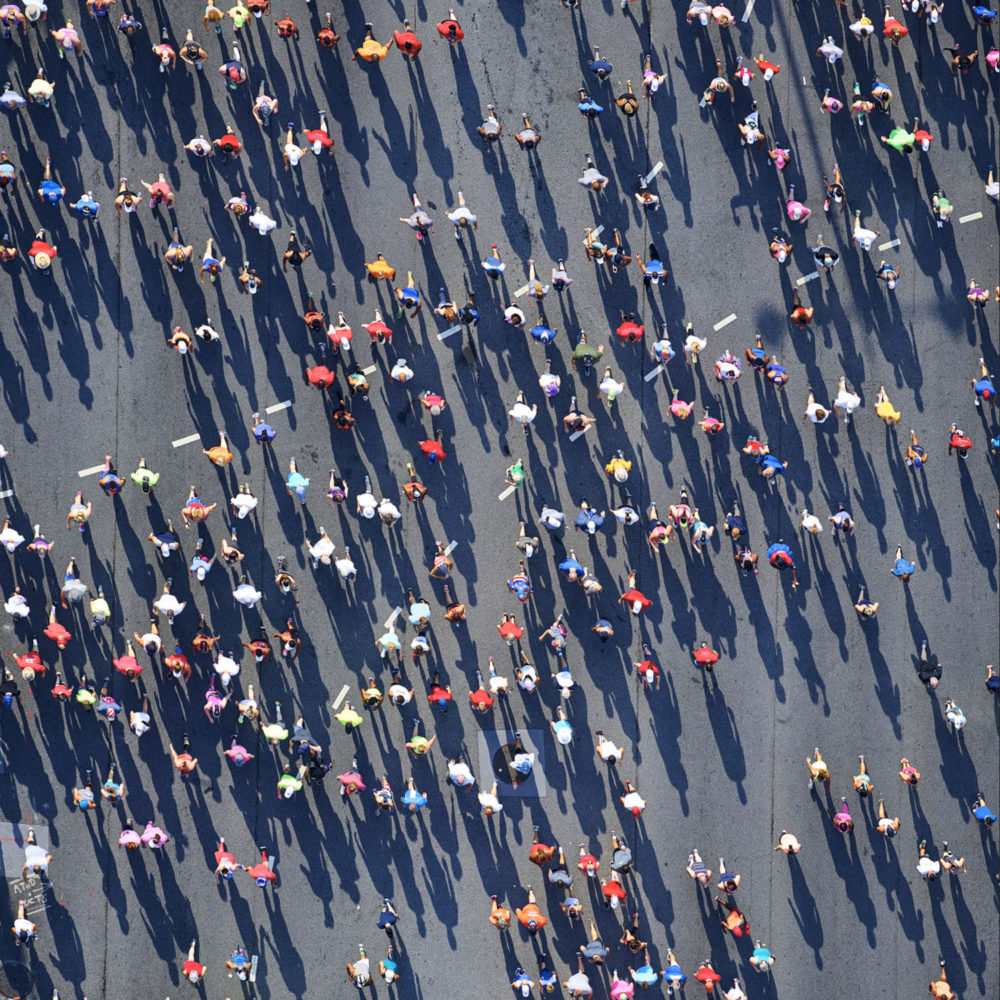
[(10, 493), (278, 406), (448, 333), (521, 291), (389, 621), (370, 369), (808, 277), (191, 438), (889, 245), (253, 968), (507, 492), (748, 11), (342, 695), (724, 322), (580, 433), (651, 375), (450, 547), (595, 233), (971, 218), (659, 165), (83, 473)]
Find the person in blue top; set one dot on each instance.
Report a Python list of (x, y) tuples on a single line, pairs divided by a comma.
[(983, 14), (983, 386), (409, 296), (672, 974), (388, 968), (571, 567), (86, 206), (264, 433), (589, 519), (982, 811), (653, 271), (588, 107), (522, 982), (49, 190), (296, 483), (761, 959), (469, 314), (770, 465), (902, 567), (547, 979), (541, 332), (240, 964), (412, 799), (776, 374), (645, 975), (779, 555), (493, 265), (8, 173), (601, 68)]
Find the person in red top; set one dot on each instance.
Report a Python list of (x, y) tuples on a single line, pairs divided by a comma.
[(228, 143), (177, 664), (261, 872), (432, 449), (531, 916), (708, 977), (509, 629), (59, 634), (320, 376), (413, 488), (341, 334), (327, 37), (960, 441), (587, 863), (319, 138), (30, 664), (60, 691), (613, 890), (287, 28), (378, 330), (194, 971), (225, 862), (706, 657), (734, 921), (42, 252), (407, 42), (635, 599), (767, 68), (894, 29), (482, 700), (629, 331), (450, 29), (648, 670), (539, 854), (312, 317), (159, 192), (183, 761), (127, 665), (439, 694)]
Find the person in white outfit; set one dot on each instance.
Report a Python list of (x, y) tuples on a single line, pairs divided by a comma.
[(863, 237), (345, 565), (388, 512), (830, 51), (261, 222), (401, 371), (322, 548), (167, 604), (811, 523), (9, 538), (462, 217), (522, 413), (244, 502), (607, 751), (226, 667), (846, 401), (246, 593), (814, 411), (17, 605), (460, 774), (367, 505)]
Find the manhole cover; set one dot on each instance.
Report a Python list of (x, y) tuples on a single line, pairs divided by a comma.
[(15, 981)]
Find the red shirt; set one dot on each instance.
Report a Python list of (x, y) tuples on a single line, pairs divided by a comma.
[(315, 135), (613, 888), (633, 596), (126, 663), (40, 246), (193, 970), (439, 693), (630, 331), (230, 144), (510, 630), (433, 451), (408, 42), (320, 376), (478, 698), (647, 665), (705, 655), (58, 633), (450, 29)]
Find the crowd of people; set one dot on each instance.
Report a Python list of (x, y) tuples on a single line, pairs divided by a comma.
[(209, 668)]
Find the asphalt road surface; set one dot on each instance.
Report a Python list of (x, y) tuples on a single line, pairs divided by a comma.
[(85, 372)]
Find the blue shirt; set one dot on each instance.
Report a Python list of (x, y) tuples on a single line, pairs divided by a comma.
[(411, 797), (543, 334), (569, 564), (51, 192), (86, 206), (983, 814), (902, 567), (264, 432), (589, 108)]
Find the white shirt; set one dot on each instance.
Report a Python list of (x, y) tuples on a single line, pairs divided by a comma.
[(247, 595), (322, 548), (634, 800), (401, 371), (35, 855), (169, 605), (293, 152), (399, 693), (925, 866), (226, 667), (346, 567), (529, 677), (200, 565), (847, 401), (864, 237), (552, 519), (17, 606), (140, 723), (387, 508), (200, 146), (262, 223), (367, 505), (10, 539), (608, 751), (811, 523), (206, 332), (244, 503), (520, 412), (813, 411), (498, 685), (489, 801), (462, 212), (461, 774)]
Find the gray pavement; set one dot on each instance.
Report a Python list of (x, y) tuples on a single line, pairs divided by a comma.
[(85, 371)]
